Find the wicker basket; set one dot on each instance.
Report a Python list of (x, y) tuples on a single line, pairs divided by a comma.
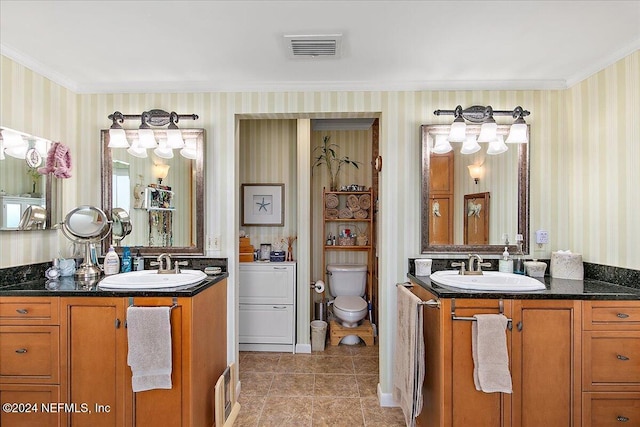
[(346, 241)]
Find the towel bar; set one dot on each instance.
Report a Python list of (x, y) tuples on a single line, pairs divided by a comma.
[(432, 303), (173, 305), (473, 319)]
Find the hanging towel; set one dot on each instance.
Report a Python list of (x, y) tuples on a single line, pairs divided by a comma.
[(490, 358), (149, 338), (408, 369)]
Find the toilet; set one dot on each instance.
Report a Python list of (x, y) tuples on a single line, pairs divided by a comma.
[(347, 283)]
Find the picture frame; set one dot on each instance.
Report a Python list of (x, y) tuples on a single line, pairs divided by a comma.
[(262, 205), (476, 218)]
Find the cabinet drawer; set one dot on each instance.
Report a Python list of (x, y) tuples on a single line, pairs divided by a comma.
[(31, 310), (611, 409), (611, 315), (611, 360), (267, 284), (26, 398), (29, 354), (266, 324)]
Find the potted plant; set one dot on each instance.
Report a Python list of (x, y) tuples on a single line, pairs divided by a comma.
[(327, 156), (35, 178)]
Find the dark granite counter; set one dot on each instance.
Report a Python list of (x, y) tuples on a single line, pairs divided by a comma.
[(587, 289), (67, 287)]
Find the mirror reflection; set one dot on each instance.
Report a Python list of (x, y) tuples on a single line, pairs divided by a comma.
[(22, 187), (474, 202), (162, 196)]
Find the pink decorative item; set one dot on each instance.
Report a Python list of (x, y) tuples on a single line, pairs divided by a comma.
[(58, 161)]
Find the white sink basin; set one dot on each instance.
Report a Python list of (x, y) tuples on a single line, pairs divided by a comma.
[(488, 281), (150, 279)]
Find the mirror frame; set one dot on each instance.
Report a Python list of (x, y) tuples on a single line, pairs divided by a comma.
[(523, 202), (107, 172)]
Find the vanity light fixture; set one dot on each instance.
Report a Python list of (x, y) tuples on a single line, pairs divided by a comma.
[(146, 138), (475, 172), (485, 116), (160, 171)]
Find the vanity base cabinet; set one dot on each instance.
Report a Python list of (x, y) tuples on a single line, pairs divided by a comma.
[(544, 353), (30, 373), (267, 294)]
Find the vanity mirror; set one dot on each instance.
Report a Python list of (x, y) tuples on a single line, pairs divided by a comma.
[(164, 197), (453, 195), (22, 188)]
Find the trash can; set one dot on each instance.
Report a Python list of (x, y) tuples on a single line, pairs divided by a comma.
[(318, 335), (320, 310)]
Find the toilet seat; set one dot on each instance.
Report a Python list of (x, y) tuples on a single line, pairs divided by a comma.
[(350, 303)]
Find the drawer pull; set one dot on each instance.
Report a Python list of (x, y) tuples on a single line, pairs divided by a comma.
[(21, 350), (622, 419), (622, 315), (621, 357), (22, 311), (117, 323), (282, 307)]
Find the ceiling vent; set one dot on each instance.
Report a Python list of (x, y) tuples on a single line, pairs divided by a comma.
[(313, 46)]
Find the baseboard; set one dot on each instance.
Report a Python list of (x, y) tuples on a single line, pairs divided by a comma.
[(303, 348), (386, 399)]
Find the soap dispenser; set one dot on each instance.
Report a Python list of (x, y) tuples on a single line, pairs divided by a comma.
[(111, 262), (505, 265), (518, 258)]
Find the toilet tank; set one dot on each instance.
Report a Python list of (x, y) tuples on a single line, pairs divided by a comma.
[(347, 279)]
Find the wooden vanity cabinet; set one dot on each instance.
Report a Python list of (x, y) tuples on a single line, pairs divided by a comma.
[(611, 373), (545, 384), (29, 360)]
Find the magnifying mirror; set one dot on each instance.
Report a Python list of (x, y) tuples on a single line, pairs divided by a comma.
[(86, 225), (33, 218), (121, 226)]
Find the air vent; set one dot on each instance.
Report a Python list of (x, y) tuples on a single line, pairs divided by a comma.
[(313, 46)]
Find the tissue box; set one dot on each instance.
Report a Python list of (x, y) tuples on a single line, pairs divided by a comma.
[(277, 256), (566, 266), (423, 267)]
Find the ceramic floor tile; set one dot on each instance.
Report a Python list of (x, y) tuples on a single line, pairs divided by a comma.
[(295, 363), (292, 385), (365, 365), (365, 350), (329, 411), (336, 350), (285, 411), (376, 416), (255, 383), (367, 385), (255, 362), (333, 365), (336, 385), (250, 409)]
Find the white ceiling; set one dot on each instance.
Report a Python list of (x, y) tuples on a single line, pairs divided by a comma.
[(177, 46)]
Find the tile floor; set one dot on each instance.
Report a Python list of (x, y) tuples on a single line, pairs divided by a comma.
[(336, 387)]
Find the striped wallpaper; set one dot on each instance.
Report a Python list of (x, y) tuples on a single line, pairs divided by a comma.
[(584, 159)]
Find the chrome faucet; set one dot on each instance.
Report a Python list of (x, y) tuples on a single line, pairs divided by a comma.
[(477, 260), (460, 264), (164, 264)]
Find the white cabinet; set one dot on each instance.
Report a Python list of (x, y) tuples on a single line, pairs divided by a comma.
[(267, 306), (12, 209)]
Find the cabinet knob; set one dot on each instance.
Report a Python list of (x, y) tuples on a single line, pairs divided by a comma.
[(117, 323), (621, 357), (622, 419), (622, 315), (21, 350), (519, 326), (22, 310)]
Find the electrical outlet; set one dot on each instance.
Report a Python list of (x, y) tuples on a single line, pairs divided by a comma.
[(216, 244), (542, 237)]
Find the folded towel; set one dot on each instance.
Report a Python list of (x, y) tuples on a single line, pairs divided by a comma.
[(149, 338), (490, 357), (408, 369)]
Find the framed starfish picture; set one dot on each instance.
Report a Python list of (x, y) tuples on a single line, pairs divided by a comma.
[(262, 204)]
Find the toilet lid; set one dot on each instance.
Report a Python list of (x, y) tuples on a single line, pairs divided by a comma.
[(350, 303)]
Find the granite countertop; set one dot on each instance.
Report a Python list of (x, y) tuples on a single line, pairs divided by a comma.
[(587, 289), (67, 287)]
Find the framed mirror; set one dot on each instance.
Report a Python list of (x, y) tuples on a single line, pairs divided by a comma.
[(164, 197), (25, 195), (451, 183)]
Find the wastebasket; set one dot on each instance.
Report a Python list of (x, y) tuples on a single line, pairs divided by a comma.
[(318, 335), (320, 310)]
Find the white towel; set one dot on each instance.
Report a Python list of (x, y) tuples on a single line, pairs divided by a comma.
[(490, 357), (408, 369), (149, 339)]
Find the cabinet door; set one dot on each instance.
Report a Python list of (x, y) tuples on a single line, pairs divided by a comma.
[(266, 324), (96, 359), (39, 400), (267, 284), (545, 359)]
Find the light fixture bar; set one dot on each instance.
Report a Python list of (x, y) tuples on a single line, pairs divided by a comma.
[(479, 113), (153, 117)]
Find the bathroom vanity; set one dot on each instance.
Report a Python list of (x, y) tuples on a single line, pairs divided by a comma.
[(64, 353), (571, 352)]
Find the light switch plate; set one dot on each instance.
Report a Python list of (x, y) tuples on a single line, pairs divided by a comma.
[(542, 237)]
